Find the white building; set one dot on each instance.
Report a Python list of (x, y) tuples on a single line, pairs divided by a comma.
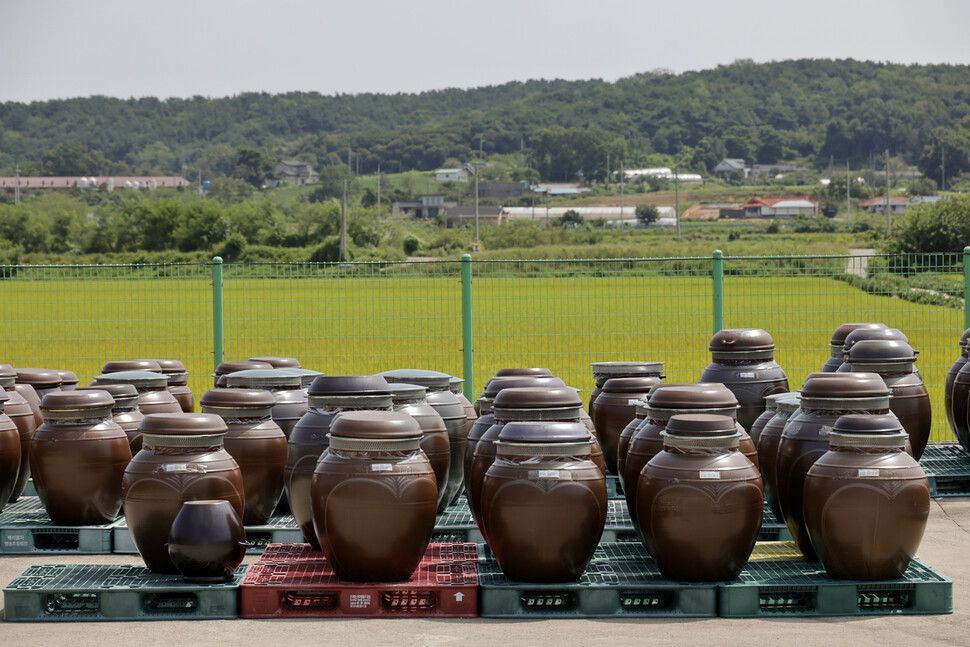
[(450, 175)]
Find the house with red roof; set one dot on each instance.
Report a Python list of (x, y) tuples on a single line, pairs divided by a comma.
[(778, 207), (897, 204)]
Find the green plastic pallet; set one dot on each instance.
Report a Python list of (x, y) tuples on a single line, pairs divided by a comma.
[(281, 529), (26, 528), (72, 592), (799, 588), (772, 529), (619, 581), (947, 467), (613, 488)]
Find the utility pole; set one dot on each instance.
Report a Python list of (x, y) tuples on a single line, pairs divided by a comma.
[(677, 198), (378, 188), (607, 169), (888, 225), (349, 165), (343, 225), (622, 178), (848, 196), (16, 190), (476, 209), (943, 166)]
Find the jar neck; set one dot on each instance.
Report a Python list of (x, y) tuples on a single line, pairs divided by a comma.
[(74, 422)]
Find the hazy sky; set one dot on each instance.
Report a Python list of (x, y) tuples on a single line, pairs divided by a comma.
[(69, 48)]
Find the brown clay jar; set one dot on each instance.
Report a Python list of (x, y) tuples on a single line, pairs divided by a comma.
[(612, 411), (623, 444), (785, 408), (603, 371), (866, 500), (743, 361), (961, 406), (234, 366), (124, 412), (77, 458), (515, 372), (456, 387), (834, 361), (867, 334), (700, 501), (374, 497), (825, 397), (68, 380), (543, 501), (329, 396), (20, 413), (278, 362), (908, 398), (33, 384), (285, 386), (949, 402), (152, 387), (178, 382), (182, 459), (256, 443), (758, 425), (9, 453), (411, 399), (207, 541)]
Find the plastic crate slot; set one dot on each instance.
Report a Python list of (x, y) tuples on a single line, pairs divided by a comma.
[(72, 603), (648, 599), (444, 537), (56, 539), (310, 599), (170, 602), (408, 600), (627, 536), (259, 539), (786, 600), (540, 600), (952, 486), (886, 599)]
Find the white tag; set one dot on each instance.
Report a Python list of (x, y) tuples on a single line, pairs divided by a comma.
[(381, 467), (749, 375), (709, 474), (176, 467), (863, 473), (632, 403), (548, 474), (825, 430)]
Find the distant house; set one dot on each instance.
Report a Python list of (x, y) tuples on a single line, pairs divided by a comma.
[(501, 190), (897, 204), (294, 172), (451, 175), (730, 166), (778, 207), (423, 206)]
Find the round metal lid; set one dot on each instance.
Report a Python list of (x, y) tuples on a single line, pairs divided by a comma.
[(881, 351), (42, 377), (536, 398), (456, 384), (860, 334), (118, 366), (741, 340), (67, 377), (183, 424), (790, 404), (544, 432), (263, 377), (76, 400), (278, 362), (701, 425), (225, 368), (6, 370), (238, 398), (117, 391), (402, 391), (167, 365), (523, 372), (497, 384), (421, 377), (606, 369), (349, 385), (143, 379), (385, 425), (854, 423), (771, 401), (844, 385), (631, 384), (964, 339), (702, 395), (838, 337)]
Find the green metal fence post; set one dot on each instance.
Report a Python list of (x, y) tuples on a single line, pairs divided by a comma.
[(966, 287), (218, 341), (717, 273), (468, 360)]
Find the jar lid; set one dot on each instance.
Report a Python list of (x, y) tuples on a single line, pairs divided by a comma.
[(701, 425), (631, 384), (869, 424), (263, 378), (536, 398), (455, 385), (860, 334), (349, 385), (7, 381), (838, 337), (168, 366), (3, 398), (421, 377), (76, 400), (131, 365), (67, 377), (448, 405), (790, 404), (225, 368), (881, 351), (844, 385), (626, 369), (741, 340), (523, 372), (771, 401), (402, 391), (278, 362), (523, 431), (141, 379), (497, 384), (182, 424), (6, 370), (123, 394), (701, 395), (965, 338), (42, 377), (375, 425), (238, 399)]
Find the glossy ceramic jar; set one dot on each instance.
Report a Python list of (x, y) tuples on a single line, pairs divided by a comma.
[(124, 412), (543, 501), (9, 454), (908, 398), (20, 413), (255, 442), (33, 384), (124, 366), (68, 380), (234, 366), (182, 459), (77, 458), (700, 501), (374, 497), (866, 500), (513, 372), (758, 425), (768, 443), (665, 401), (456, 387), (278, 362), (329, 396), (623, 445), (178, 382), (411, 399), (285, 386), (743, 361), (603, 371), (613, 410), (825, 398), (866, 334), (949, 403), (152, 387), (207, 542), (834, 361)]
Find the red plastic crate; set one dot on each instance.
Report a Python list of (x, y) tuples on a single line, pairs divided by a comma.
[(294, 581)]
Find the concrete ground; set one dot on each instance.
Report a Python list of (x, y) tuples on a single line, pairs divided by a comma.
[(946, 547)]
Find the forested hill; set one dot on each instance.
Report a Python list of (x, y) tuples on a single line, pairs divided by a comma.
[(809, 111)]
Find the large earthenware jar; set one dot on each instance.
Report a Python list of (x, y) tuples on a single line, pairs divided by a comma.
[(700, 501), (20, 413), (207, 542), (234, 366), (961, 405), (743, 361), (668, 400), (543, 501), (182, 459), (623, 445), (285, 386), (256, 443), (785, 408), (374, 497), (77, 458), (825, 398), (152, 387), (329, 396), (613, 409), (758, 425), (178, 382), (33, 384), (866, 334), (411, 399), (834, 361), (866, 500), (949, 403), (68, 380), (456, 387), (603, 371), (9, 453), (278, 362), (124, 412), (908, 398)]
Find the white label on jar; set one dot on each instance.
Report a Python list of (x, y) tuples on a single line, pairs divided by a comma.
[(710, 474), (632, 403), (864, 473), (381, 467), (824, 430), (748, 375), (548, 474)]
